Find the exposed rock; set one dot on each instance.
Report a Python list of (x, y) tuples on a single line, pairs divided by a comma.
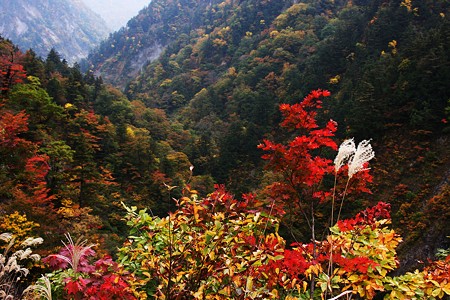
[(68, 26)]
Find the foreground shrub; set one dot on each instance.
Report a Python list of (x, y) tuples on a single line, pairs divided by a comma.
[(221, 248), (79, 276), (210, 247)]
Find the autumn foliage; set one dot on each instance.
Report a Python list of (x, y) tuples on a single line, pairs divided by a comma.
[(11, 69), (79, 275), (212, 247), (221, 248)]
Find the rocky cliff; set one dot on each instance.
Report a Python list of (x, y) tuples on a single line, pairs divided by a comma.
[(68, 26)]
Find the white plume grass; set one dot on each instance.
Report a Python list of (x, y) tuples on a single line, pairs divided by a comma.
[(32, 242), (346, 150), (42, 289), (362, 155), (6, 237), (13, 265), (356, 159)]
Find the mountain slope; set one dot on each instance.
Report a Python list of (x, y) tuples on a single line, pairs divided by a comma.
[(223, 76), (163, 23), (66, 25)]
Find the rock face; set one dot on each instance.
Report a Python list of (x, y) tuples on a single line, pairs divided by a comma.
[(121, 57), (68, 26)]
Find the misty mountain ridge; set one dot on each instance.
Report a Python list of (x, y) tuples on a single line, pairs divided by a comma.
[(68, 26), (114, 12)]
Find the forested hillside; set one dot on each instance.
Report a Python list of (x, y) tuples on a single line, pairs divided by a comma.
[(228, 72), (385, 63), (121, 57), (87, 146), (255, 95)]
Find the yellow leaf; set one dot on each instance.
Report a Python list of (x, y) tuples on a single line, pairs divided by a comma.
[(446, 288), (147, 274), (225, 291), (196, 216), (305, 285), (353, 278), (275, 293), (249, 284), (199, 293), (436, 292), (393, 44), (335, 79), (361, 290)]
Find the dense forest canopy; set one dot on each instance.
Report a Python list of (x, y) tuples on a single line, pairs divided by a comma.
[(189, 96)]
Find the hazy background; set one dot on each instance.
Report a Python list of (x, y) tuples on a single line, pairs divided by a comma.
[(116, 13)]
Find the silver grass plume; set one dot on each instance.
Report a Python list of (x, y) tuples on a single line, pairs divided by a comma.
[(6, 237), (11, 265), (363, 154), (32, 242), (346, 150), (42, 289)]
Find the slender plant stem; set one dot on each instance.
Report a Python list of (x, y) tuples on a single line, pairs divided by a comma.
[(169, 279), (340, 295), (330, 262), (332, 200), (313, 236), (169, 283), (342, 202), (267, 222)]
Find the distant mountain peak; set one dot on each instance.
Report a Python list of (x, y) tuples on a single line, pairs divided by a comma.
[(68, 26), (117, 13)]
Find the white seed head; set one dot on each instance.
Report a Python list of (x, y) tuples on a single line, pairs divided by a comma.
[(346, 150), (363, 154), (42, 289), (6, 237), (11, 265), (32, 242), (24, 271), (25, 254), (35, 257), (18, 254)]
